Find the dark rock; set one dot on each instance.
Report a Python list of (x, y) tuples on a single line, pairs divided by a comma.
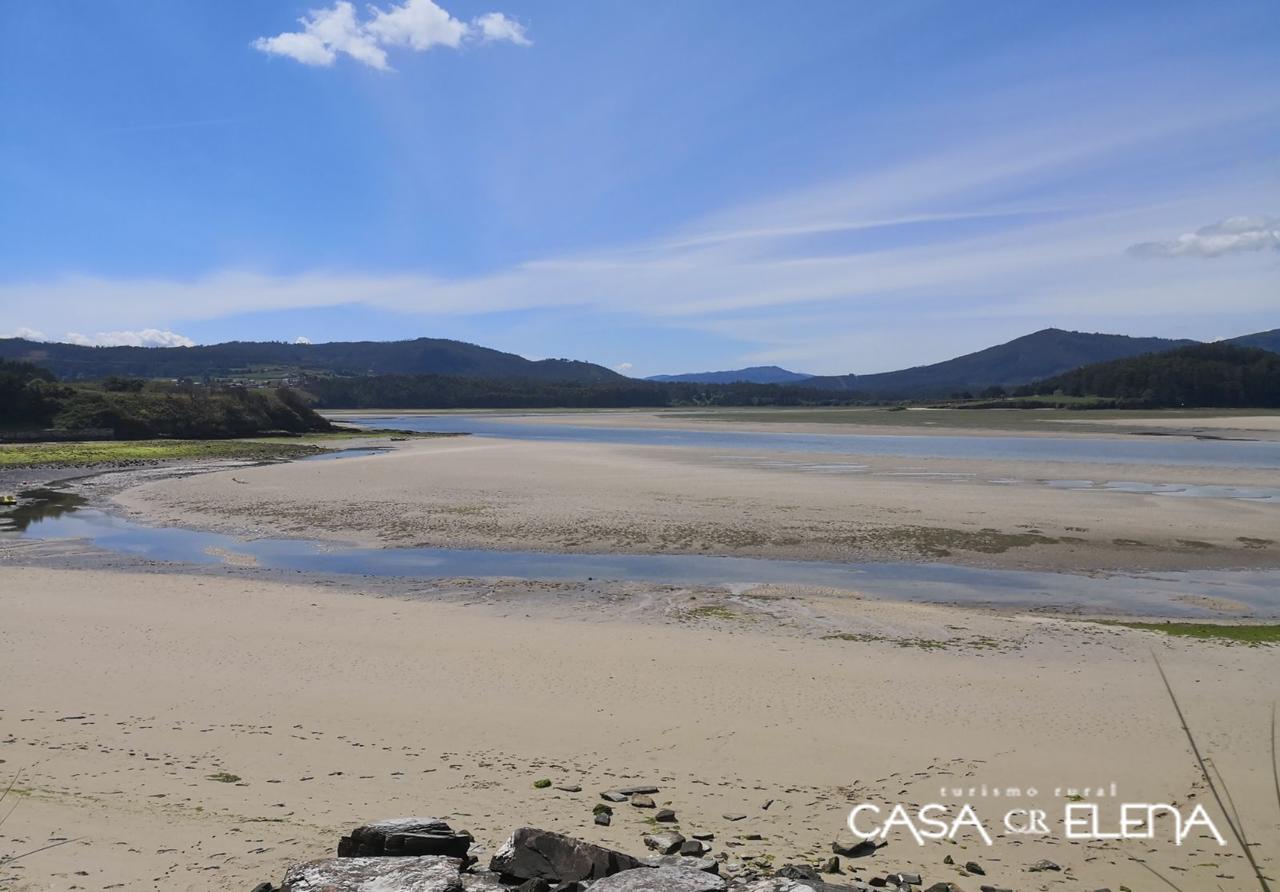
[(614, 796), (948, 860), (604, 818), (904, 879), (994, 889), (704, 836), (540, 854), (665, 815), (857, 850), (376, 834), (1043, 865), (693, 847), (666, 843), (640, 800), (831, 865), (640, 790), (974, 867), (798, 872), (944, 887), (426, 874), (263, 887), (710, 865), (660, 879), (535, 885), (452, 845), (733, 816)]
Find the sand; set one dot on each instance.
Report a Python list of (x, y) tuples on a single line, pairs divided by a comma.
[(126, 696), (588, 497)]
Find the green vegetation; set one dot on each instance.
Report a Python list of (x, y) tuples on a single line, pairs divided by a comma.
[(1202, 375), (130, 408), (126, 452), (541, 783), (1244, 634)]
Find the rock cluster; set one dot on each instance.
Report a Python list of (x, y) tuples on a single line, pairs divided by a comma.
[(427, 855)]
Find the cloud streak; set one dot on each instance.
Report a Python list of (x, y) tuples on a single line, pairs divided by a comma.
[(1230, 236), (418, 25)]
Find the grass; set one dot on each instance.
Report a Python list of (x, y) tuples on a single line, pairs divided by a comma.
[(127, 452), (1240, 634)]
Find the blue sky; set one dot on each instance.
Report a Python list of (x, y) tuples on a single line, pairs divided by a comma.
[(659, 187)]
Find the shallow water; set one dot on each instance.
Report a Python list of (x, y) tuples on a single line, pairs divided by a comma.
[(1162, 594), (1138, 450)]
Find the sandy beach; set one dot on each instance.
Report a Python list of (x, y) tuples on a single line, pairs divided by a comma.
[(202, 733)]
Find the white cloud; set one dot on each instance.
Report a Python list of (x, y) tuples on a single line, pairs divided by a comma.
[(494, 26), (29, 334), (416, 24), (147, 337), (302, 339), (1230, 236), (623, 367)]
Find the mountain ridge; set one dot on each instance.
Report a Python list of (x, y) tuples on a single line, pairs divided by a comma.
[(755, 374)]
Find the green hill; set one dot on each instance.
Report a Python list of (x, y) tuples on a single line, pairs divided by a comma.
[(1204, 375), (266, 360), (1042, 354)]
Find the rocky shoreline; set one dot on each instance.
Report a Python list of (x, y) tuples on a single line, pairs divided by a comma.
[(425, 854)]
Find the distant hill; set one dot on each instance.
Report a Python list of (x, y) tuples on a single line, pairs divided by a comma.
[(273, 359), (1266, 340), (1032, 357), (756, 374), (1217, 375)]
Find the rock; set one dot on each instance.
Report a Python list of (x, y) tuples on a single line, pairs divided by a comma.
[(831, 865), (660, 879), (974, 867), (453, 845), (857, 850), (904, 879), (640, 800), (540, 854), (798, 872), (944, 887), (710, 865), (614, 796), (569, 788), (370, 840), (993, 889), (604, 818), (703, 835), (646, 790), (733, 816), (667, 843), (767, 803), (693, 847), (263, 887), (1043, 865), (948, 860), (426, 874), (535, 885), (665, 815)]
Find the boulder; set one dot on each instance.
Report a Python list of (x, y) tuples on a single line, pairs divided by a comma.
[(640, 800), (427, 874), (665, 815), (540, 854), (370, 839), (452, 845), (660, 879), (710, 865), (614, 796), (693, 847), (666, 843)]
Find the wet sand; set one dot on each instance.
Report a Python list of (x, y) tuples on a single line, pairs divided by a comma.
[(594, 498)]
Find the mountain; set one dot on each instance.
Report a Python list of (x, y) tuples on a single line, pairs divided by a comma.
[(270, 359), (1032, 357), (1265, 340), (1205, 375), (756, 374)]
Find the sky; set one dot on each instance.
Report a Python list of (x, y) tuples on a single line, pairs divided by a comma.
[(657, 187)]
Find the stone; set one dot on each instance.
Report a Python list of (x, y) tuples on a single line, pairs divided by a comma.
[(948, 860), (660, 879), (994, 889), (798, 872), (644, 790), (665, 815), (831, 865), (710, 865), (666, 843), (603, 818), (426, 874), (640, 800), (703, 835), (535, 885), (452, 845), (693, 847), (975, 868), (370, 840), (263, 887), (569, 788), (857, 850), (1043, 865), (540, 854), (904, 879), (944, 887), (614, 796), (734, 816)]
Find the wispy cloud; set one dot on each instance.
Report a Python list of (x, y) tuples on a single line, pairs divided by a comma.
[(1230, 236), (417, 24)]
